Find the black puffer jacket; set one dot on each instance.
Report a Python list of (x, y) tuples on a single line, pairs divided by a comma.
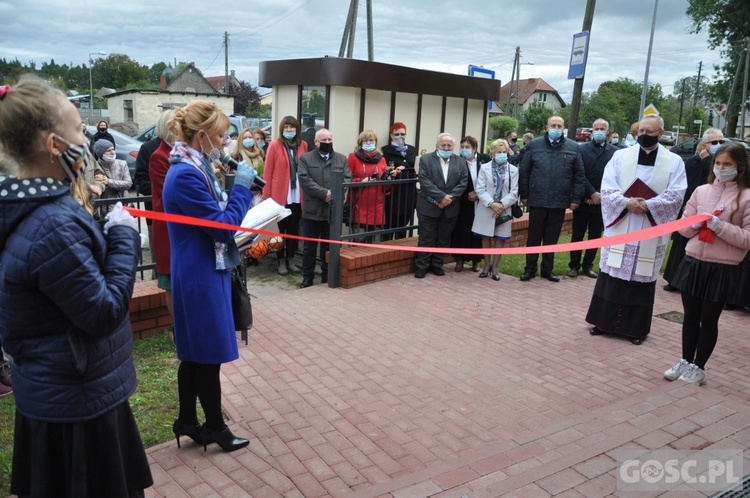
[(551, 177), (65, 293)]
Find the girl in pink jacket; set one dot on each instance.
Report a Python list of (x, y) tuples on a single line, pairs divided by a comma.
[(709, 271)]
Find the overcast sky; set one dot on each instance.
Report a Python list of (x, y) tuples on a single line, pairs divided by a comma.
[(442, 35)]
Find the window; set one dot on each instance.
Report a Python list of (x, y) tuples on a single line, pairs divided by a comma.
[(171, 105), (542, 97), (314, 105), (127, 106)]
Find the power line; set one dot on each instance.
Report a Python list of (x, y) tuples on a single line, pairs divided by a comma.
[(267, 24)]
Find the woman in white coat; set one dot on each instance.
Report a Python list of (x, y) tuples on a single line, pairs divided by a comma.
[(497, 189)]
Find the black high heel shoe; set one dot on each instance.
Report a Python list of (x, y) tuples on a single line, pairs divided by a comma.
[(194, 432), (225, 439)]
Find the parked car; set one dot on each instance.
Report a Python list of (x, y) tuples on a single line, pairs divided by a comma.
[(743, 142), (583, 134), (669, 138), (126, 148), (685, 149)]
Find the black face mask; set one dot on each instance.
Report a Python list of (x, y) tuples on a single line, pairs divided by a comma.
[(325, 147), (102, 130), (514, 140), (648, 141)]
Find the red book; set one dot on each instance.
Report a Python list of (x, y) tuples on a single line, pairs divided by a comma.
[(639, 189)]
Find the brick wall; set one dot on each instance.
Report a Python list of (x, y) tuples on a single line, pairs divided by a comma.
[(362, 265), (148, 310)]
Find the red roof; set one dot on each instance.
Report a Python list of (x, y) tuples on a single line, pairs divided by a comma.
[(526, 88)]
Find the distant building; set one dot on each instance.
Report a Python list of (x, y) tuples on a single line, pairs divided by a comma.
[(143, 107), (219, 82), (529, 91)]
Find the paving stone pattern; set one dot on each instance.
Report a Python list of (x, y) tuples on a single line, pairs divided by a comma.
[(455, 386)]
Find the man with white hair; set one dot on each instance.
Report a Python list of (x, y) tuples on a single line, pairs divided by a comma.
[(443, 177), (643, 186)]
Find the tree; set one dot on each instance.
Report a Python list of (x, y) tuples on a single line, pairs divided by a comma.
[(535, 118), (728, 24), (246, 99), (156, 71), (117, 71), (503, 124)]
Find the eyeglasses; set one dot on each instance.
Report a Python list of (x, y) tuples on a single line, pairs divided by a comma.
[(399, 134), (716, 142)]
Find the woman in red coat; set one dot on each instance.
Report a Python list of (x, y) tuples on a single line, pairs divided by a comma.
[(282, 185), (367, 164)]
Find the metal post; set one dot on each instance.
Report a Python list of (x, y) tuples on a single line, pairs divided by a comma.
[(648, 62), (575, 106), (370, 49), (336, 220), (91, 85), (743, 107)]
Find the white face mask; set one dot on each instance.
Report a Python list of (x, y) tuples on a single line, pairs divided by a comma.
[(215, 153), (726, 174), (108, 158)]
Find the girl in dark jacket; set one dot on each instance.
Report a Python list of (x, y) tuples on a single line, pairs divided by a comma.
[(65, 290)]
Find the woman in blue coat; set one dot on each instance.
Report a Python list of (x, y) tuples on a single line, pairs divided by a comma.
[(202, 259), (65, 290)]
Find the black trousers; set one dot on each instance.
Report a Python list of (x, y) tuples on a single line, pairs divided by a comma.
[(588, 218), (433, 232), (290, 225), (544, 229), (700, 328), (314, 229), (200, 381)]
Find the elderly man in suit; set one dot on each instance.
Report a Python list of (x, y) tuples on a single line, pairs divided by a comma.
[(443, 177)]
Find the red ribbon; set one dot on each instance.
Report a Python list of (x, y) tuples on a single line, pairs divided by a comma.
[(627, 238), (705, 234)]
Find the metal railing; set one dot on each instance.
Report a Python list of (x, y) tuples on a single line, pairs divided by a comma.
[(350, 201)]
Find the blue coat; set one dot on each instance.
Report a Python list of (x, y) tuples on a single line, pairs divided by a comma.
[(65, 292), (201, 294)]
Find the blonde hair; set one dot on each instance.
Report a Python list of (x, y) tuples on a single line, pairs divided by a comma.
[(29, 112), (252, 152), (80, 192), (367, 135), (196, 116), (162, 126), (495, 146)]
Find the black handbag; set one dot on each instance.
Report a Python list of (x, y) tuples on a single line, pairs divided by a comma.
[(503, 218), (242, 309), (516, 210)]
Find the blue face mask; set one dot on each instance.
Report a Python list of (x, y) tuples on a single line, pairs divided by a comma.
[(369, 147), (248, 143), (289, 134), (554, 134), (261, 144), (501, 158), (712, 150), (614, 141), (599, 135), (445, 154), (466, 153)]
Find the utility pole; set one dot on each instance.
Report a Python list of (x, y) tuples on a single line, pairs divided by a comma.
[(347, 40), (226, 63), (370, 49), (743, 105), (518, 82), (731, 92), (575, 106), (512, 78), (648, 62), (695, 94)]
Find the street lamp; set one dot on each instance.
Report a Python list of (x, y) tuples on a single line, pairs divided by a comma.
[(91, 85)]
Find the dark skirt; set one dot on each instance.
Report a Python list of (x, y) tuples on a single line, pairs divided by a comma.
[(676, 254), (742, 295), (709, 281), (101, 457), (622, 307)]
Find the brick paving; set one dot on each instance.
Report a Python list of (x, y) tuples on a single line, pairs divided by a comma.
[(455, 386)]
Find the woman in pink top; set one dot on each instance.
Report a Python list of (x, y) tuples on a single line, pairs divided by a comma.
[(709, 271)]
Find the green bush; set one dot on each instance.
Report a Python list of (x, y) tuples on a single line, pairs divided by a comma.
[(503, 124)]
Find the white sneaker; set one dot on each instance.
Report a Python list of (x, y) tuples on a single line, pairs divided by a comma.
[(694, 375), (677, 370), (292, 267)]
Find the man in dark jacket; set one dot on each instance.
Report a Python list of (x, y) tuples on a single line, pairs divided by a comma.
[(314, 172), (595, 154), (551, 179)]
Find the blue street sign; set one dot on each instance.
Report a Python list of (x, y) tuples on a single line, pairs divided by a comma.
[(578, 55)]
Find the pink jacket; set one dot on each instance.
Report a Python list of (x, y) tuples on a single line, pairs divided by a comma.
[(276, 171), (732, 241)]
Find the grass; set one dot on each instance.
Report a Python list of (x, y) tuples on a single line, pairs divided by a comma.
[(154, 403)]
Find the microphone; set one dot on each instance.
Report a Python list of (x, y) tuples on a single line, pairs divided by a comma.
[(227, 160)]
